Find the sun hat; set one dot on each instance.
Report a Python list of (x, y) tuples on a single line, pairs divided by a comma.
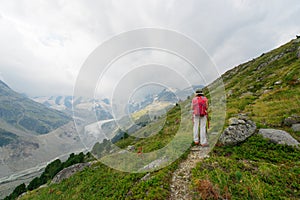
[(199, 92)]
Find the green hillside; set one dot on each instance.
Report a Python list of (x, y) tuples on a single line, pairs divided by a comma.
[(26, 115), (100, 181), (266, 89)]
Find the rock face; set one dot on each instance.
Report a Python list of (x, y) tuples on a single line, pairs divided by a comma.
[(278, 136), (238, 131), (67, 172)]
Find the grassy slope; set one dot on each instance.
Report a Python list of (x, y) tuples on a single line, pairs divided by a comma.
[(100, 181), (254, 89), (257, 169)]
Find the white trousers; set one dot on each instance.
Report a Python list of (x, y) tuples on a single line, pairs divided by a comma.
[(202, 121)]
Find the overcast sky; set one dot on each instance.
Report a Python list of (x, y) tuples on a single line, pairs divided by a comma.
[(44, 43)]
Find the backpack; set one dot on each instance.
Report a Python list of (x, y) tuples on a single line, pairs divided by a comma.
[(199, 106)]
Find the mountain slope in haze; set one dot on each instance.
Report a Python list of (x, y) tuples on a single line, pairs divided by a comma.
[(267, 90), (26, 115), (30, 136), (80, 105)]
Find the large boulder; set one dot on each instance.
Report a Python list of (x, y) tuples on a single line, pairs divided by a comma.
[(278, 136), (238, 131)]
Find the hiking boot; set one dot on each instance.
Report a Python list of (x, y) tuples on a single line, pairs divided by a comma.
[(196, 143), (205, 145)]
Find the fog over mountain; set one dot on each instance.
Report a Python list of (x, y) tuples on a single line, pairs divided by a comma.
[(44, 44)]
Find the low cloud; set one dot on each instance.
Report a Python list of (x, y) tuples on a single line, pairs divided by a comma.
[(44, 44)]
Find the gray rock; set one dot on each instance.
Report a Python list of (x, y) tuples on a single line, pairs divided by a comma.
[(277, 82), (123, 151), (289, 121), (296, 127), (146, 177), (238, 131), (276, 57), (130, 148), (155, 164), (241, 121), (67, 172), (246, 94), (278, 136), (233, 121), (243, 116), (298, 53)]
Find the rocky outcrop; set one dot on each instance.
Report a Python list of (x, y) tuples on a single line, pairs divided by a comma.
[(289, 121), (238, 131), (278, 136), (67, 172)]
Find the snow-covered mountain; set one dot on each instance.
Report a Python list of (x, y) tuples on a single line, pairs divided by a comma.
[(81, 106)]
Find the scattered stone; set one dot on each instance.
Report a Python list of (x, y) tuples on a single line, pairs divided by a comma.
[(246, 94), (298, 53), (272, 59), (277, 82), (261, 66), (146, 177), (243, 116), (289, 121), (276, 57), (181, 178), (155, 164), (238, 131), (296, 127), (123, 151), (229, 93), (278, 136), (130, 148), (69, 171)]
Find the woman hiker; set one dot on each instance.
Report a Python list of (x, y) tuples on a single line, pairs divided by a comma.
[(199, 107)]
